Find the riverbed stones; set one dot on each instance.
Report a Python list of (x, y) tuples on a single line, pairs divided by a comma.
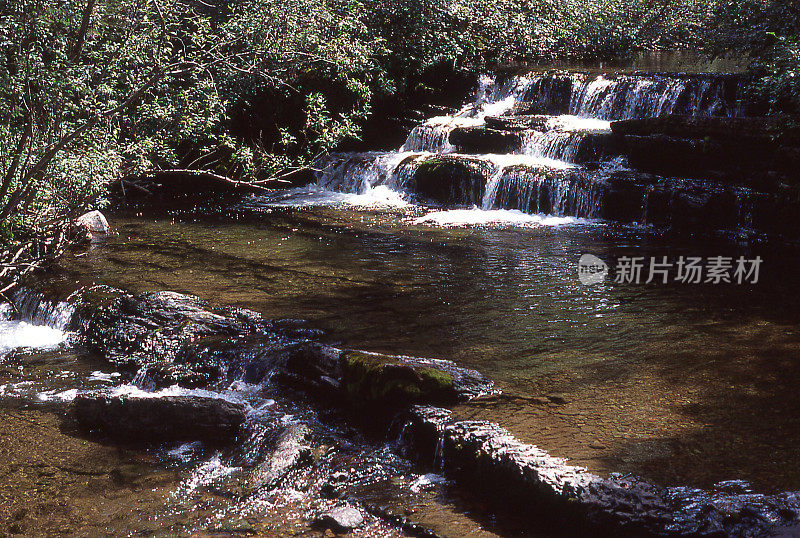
[(340, 519), (159, 419)]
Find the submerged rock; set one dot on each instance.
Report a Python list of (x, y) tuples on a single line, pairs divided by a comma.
[(288, 451), (168, 418), (340, 519)]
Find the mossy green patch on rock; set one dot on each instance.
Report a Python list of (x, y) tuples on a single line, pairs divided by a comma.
[(386, 379)]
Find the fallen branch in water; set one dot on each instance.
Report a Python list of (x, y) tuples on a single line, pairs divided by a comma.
[(203, 174)]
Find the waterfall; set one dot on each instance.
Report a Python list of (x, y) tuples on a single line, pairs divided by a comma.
[(566, 161)]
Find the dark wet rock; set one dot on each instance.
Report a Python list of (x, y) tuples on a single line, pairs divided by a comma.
[(409, 527), (340, 519), (288, 450), (479, 140), (485, 457), (743, 150), (152, 327), (518, 123), (386, 381), (719, 128), (452, 179), (169, 418)]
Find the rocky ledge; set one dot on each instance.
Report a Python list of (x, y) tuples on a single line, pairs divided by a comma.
[(167, 338), (486, 458), (747, 150), (168, 330)]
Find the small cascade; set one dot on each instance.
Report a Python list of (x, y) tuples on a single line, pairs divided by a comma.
[(430, 137), (35, 309), (33, 322), (360, 172), (543, 190), (639, 96)]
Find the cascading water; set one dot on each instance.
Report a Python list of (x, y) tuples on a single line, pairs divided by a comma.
[(541, 144), (33, 322)]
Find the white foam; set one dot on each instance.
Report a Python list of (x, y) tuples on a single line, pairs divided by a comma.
[(569, 123), (208, 473), (426, 481), (376, 197), (102, 376), (21, 334), (503, 160), (480, 217), (53, 396)]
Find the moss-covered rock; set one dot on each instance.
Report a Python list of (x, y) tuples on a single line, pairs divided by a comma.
[(387, 382), (381, 378)]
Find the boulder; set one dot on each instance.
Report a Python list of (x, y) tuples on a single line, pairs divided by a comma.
[(340, 519), (153, 328), (385, 382), (452, 179), (480, 140), (159, 419), (93, 222)]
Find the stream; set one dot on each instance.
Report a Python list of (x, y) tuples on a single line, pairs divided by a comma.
[(680, 383)]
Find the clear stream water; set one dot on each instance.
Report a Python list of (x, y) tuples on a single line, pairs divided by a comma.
[(655, 374)]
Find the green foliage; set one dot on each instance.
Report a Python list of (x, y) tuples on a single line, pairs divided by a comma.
[(769, 31)]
